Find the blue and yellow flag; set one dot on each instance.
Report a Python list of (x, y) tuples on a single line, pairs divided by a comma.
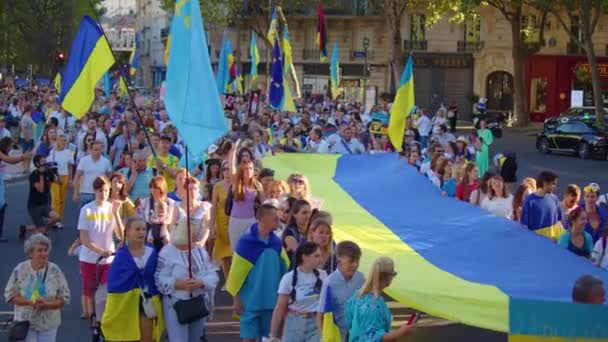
[(276, 91), (255, 58), (134, 59), (334, 72), (402, 107), (274, 25), (464, 257), (89, 58), (331, 332), (222, 78), (57, 82), (192, 100), (125, 281), (107, 84), (248, 250)]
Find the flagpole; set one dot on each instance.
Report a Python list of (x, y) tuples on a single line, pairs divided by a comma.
[(269, 51), (188, 217), (123, 78)]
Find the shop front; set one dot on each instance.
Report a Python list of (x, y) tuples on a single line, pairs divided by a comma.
[(550, 81)]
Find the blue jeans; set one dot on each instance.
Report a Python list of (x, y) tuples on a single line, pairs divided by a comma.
[(424, 141), (86, 198), (41, 336), (300, 329)]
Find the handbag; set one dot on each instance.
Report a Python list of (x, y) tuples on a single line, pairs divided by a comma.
[(191, 310), (18, 329), (148, 305)]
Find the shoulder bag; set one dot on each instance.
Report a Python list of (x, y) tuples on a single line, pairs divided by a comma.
[(191, 309)]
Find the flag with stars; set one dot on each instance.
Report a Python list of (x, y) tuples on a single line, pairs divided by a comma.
[(276, 91)]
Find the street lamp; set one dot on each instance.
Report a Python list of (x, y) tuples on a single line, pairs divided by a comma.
[(365, 47)]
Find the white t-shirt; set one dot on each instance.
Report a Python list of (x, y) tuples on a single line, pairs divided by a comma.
[(92, 169), (499, 206), (99, 222), (424, 126), (63, 159), (307, 299), (599, 257)]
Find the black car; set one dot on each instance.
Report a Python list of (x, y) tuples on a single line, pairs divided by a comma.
[(579, 135)]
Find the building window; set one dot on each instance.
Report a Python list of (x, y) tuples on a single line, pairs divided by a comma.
[(499, 90), (538, 95), (472, 29), (417, 30), (529, 28)]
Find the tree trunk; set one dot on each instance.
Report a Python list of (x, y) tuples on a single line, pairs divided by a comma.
[(394, 52), (520, 113), (598, 100)]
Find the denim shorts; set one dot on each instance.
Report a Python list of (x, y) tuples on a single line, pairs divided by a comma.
[(300, 329)]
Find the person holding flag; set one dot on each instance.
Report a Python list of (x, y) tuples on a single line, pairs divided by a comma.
[(402, 107)]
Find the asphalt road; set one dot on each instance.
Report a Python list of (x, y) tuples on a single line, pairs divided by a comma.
[(223, 328)]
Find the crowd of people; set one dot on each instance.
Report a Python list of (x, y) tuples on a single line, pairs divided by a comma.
[(148, 223)]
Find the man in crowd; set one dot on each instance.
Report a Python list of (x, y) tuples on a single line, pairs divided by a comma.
[(27, 133), (589, 289), (541, 210), (165, 163), (89, 168), (347, 144), (139, 176), (39, 199), (316, 142), (97, 133)]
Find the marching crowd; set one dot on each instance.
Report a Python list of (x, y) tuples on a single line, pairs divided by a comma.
[(149, 226)]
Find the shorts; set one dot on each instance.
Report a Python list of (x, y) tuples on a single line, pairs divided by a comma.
[(40, 214), (87, 277), (26, 145), (255, 324)]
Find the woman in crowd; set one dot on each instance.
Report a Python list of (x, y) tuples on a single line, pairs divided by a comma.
[(98, 223), (298, 300), (290, 142), (276, 189), (449, 181), (462, 151), (297, 229), (435, 173), (47, 142), (577, 240), (522, 191), (320, 233), (367, 316), (173, 281), (157, 212), (285, 205), (481, 193), (499, 202), (245, 190), (597, 217), (87, 143), (38, 290), (468, 184), (200, 212), (179, 193), (482, 158), (219, 221), (299, 187), (65, 162), (133, 267), (119, 196)]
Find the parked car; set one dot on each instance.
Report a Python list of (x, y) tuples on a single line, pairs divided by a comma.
[(582, 111), (579, 135)]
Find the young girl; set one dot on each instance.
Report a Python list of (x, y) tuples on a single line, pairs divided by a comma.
[(299, 292), (297, 228), (320, 233)]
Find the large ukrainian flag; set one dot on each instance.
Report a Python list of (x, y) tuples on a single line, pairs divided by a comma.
[(404, 101), (120, 321), (454, 260), (89, 58)]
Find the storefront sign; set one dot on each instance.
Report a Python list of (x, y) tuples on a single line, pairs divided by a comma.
[(602, 68), (359, 54), (442, 61)]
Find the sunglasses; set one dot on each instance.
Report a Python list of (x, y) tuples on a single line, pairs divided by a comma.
[(296, 180)]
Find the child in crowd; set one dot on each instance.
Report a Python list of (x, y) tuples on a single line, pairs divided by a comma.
[(338, 287)]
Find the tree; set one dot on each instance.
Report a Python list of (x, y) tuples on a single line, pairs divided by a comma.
[(585, 13), (393, 11)]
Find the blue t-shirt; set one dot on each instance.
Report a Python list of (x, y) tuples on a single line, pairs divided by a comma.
[(585, 251), (450, 187), (140, 188)]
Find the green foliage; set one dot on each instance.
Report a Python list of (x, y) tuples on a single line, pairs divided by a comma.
[(34, 31)]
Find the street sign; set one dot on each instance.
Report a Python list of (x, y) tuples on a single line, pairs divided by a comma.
[(359, 54)]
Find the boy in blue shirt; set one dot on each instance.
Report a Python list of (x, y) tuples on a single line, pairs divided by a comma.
[(541, 211), (337, 288), (258, 265)]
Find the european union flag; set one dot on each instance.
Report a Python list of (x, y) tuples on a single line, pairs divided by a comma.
[(191, 98), (276, 91)]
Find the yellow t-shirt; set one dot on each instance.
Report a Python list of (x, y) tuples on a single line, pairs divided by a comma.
[(170, 161)]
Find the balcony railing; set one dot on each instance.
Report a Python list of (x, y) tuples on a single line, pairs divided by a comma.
[(420, 45), (574, 49), (469, 46), (360, 55)]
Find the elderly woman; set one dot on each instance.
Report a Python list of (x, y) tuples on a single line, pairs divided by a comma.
[(176, 284), (38, 290)]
